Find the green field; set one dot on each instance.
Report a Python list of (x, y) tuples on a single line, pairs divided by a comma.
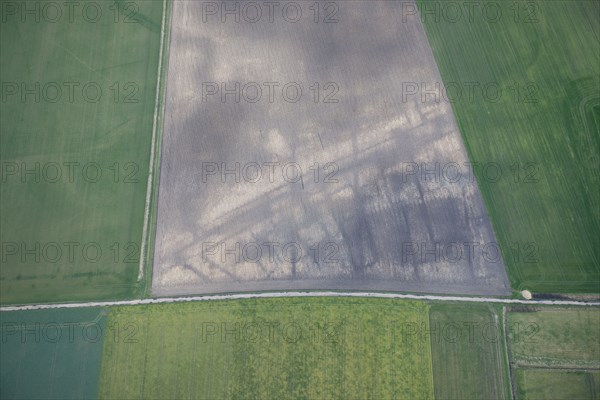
[(270, 348), (51, 354), (553, 337), (468, 353), (542, 130), (71, 229), (534, 384), (315, 348), (555, 352)]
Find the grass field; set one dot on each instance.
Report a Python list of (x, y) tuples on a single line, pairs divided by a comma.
[(51, 354), (555, 352), (300, 348), (71, 227), (534, 384), (271, 348), (468, 353), (541, 130), (554, 337)]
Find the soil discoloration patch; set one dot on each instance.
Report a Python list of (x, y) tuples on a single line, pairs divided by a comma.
[(276, 194)]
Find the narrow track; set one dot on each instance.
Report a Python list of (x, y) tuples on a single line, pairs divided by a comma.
[(163, 300)]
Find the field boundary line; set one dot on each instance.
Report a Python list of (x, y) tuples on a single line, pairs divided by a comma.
[(152, 148), (239, 296), (508, 355)]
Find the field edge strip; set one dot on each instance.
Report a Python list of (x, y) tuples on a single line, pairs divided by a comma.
[(151, 175)]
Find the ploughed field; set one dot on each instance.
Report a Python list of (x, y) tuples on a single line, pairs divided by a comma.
[(296, 156)]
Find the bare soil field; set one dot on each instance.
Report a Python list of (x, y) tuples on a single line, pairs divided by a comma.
[(295, 155)]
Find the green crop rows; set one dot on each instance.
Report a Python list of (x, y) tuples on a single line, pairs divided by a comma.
[(51, 353), (541, 131), (301, 348), (276, 348), (77, 117), (468, 353)]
